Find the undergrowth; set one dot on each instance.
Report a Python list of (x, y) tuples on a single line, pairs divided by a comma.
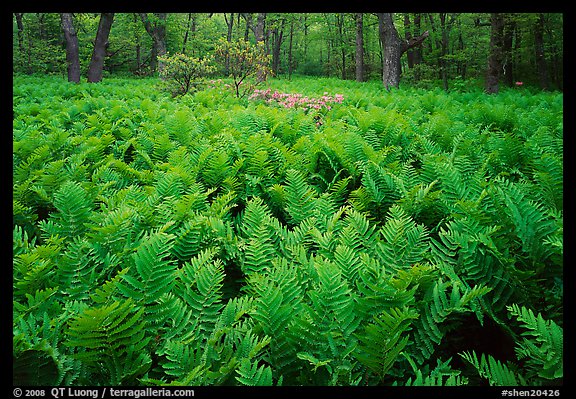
[(210, 240)]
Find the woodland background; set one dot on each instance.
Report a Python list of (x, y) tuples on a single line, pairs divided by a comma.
[(446, 49)]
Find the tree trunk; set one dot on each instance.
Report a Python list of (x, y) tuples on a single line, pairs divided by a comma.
[(277, 36), (72, 56), (340, 24), (157, 32), (408, 36), (100, 44), (20, 25), (540, 53), (259, 30), (507, 41), (191, 25), (230, 25), (495, 57), (359, 47), (393, 47), (290, 48)]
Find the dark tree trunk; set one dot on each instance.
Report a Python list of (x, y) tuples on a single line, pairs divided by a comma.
[(137, 45), (290, 49), (157, 32), (507, 42), (495, 58), (446, 27), (277, 37), (540, 53), (359, 47), (20, 26), (408, 36), (340, 24), (393, 47), (100, 44), (72, 56), (230, 25), (191, 26)]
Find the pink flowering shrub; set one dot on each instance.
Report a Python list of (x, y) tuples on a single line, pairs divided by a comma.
[(297, 100)]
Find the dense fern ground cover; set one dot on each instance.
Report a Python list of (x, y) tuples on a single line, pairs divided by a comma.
[(401, 238)]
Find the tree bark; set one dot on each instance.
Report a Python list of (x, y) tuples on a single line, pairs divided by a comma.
[(393, 47), (359, 47), (277, 35), (507, 41), (540, 53), (157, 32), (290, 48), (495, 57), (191, 26), (340, 24), (100, 44), (72, 56), (20, 26), (259, 30), (230, 25)]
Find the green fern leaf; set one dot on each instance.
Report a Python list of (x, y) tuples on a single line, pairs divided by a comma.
[(154, 270), (249, 373), (111, 338), (496, 372), (542, 345), (382, 341), (300, 198)]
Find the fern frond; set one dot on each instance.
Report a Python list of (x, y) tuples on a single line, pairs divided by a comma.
[(438, 305), (543, 344), (531, 223), (74, 209), (496, 372), (111, 339), (249, 373), (300, 198), (404, 242), (436, 376), (154, 270), (201, 284), (383, 340)]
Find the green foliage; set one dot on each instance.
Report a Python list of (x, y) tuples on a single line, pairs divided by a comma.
[(246, 63), (182, 73), (540, 349), (208, 240)]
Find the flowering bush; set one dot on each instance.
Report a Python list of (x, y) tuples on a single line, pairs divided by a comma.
[(297, 100), (181, 73), (246, 63)]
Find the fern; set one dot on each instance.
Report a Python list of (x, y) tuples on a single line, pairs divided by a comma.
[(531, 223), (383, 340), (277, 298), (154, 271), (438, 305), (249, 373), (110, 339), (542, 346), (300, 198), (436, 376), (496, 372), (404, 243), (74, 208), (200, 285)]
